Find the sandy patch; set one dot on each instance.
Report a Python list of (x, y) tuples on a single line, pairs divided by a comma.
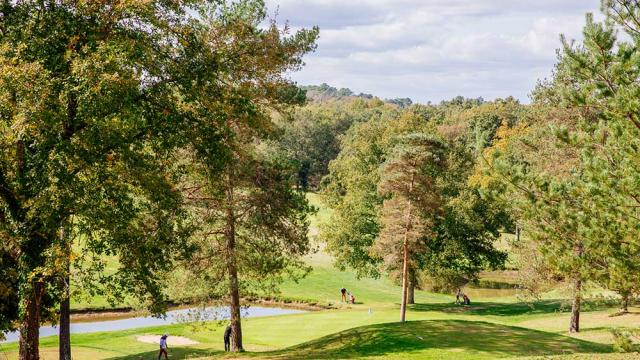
[(171, 340)]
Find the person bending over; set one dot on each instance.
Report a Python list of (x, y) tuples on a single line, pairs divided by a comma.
[(227, 338)]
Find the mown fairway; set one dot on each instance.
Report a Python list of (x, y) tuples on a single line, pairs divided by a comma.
[(438, 329), (493, 327)]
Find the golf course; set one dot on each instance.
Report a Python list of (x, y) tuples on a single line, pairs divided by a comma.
[(494, 326), (319, 179)]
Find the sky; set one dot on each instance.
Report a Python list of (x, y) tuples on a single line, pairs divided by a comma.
[(432, 50)]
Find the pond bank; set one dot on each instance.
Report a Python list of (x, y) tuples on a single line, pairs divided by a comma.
[(171, 317)]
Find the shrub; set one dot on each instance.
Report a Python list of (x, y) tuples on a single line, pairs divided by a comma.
[(623, 340)]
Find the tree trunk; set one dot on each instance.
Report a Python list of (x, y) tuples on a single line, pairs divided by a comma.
[(625, 303), (236, 328), (30, 326), (65, 323), (574, 326), (234, 293), (405, 280), (405, 258), (65, 308), (410, 296)]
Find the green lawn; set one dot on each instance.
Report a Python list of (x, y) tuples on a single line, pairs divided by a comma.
[(435, 331), (494, 327), (323, 213), (438, 329), (325, 282)]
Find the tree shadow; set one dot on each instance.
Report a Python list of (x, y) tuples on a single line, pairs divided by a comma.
[(509, 309), (444, 335), (625, 313), (174, 353)]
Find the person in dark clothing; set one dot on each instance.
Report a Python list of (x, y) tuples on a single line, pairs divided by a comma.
[(458, 296), (343, 291), (227, 338), (163, 347)]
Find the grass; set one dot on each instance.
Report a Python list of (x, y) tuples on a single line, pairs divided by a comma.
[(323, 213), (325, 282), (495, 326), (441, 331), (437, 339)]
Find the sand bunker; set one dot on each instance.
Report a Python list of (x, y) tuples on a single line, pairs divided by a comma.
[(171, 340)]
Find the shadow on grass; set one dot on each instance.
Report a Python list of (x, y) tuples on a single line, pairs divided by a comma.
[(174, 353), (509, 309), (447, 337)]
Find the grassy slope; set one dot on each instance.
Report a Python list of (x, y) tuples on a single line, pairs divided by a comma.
[(436, 331), (325, 282), (491, 328)]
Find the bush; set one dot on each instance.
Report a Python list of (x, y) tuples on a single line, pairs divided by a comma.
[(623, 340)]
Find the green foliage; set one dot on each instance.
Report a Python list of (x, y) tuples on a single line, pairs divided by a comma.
[(269, 222), (97, 101), (351, 191), (87, 106), (401, 102), (326, 92), (623, 340), (313, 135), (461, 234)]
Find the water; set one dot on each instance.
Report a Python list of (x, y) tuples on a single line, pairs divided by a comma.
[(173, 317)]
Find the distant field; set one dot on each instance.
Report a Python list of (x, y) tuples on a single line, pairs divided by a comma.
[(321, 216)]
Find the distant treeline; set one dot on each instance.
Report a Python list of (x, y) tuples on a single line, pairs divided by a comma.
[(325, 92)]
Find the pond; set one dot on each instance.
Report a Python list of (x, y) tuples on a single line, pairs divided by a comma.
[(172, 317)]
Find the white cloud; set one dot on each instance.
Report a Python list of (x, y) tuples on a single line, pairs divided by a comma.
[(434, 49)]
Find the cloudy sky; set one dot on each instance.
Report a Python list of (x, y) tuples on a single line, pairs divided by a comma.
[(430, 50)]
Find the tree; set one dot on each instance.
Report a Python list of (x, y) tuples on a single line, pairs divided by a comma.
[(351, 189), (599, 74), (253, 226), (253, 231), (463, 242), (595, 79), (313, 135), (548, 192), (94, 97), (409, 180)]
